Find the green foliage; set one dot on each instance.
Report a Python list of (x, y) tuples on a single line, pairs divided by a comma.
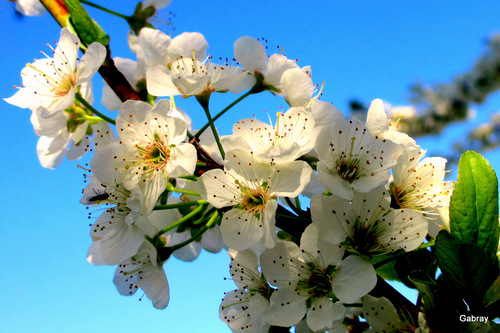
[(466, 256), (474, 204), (466, 267), (86, 28), (140, 18)]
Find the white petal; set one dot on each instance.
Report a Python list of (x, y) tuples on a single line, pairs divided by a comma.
[(324, 314), (298, 86), (154, 43), (30, 7), (241, 229), (329, 214), (381, 314), (155, 285), (183, 160), (259, 307), (67, 47), (219, 188), (91, 61), (287, 307), (376, 118), (184, 45), (51, 150), (187, 253), (212, 240), (289, 179), (250, 54), (314, 244), (244, 268), (278, 264), (325, 113), (152, 189), (353, 279), (407, 230), (276, 66), (234, 310), (159, 81), (119, 244)]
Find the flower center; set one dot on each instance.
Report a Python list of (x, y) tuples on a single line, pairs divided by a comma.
[(255, 200), (348, 165), (65, 84), (318, 283), (364, 239), (156, 155), (348, 169)]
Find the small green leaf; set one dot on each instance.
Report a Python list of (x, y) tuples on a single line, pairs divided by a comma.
[(387, 271), (86, 28), (465, 266), (493, 293), (474, 204), (426, 287)]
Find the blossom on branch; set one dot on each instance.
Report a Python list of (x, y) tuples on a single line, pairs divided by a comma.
[(244, 309), (148, 151), (291, 137), (251, 188), (314, 280), (52, 82), (351, 159)]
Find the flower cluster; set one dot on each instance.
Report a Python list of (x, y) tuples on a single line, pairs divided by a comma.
[(170, 190)]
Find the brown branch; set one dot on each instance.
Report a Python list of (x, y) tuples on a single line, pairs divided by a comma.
[(116, 80)]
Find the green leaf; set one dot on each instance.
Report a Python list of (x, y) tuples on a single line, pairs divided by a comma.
[(426, 287), (465, 266), (493, 293), (387, 271), (474, 204), (86, 28)]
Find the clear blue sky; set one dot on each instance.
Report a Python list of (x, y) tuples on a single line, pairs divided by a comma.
[(374, 49)]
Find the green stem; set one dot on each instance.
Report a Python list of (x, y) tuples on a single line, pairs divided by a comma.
[(91, 108), (171, 188), (182, 220), (109, 11), (291, 217), (292, 206), (204, 217), (204, 105), (198, 234), (218, 115), (401, 252), (181, 204), (189, 177)]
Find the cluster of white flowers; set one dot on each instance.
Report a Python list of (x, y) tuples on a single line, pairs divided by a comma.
[(371, 191)]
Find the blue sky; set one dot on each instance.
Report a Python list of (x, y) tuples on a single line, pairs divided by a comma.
[(365, 50)]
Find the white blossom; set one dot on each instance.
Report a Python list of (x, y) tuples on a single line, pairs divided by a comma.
[(251, 188), (383, 317), (314, 280), (156, 51), (143, 271), (149, 149), (192, 77), (367, 225), (68, 133), (291, 137), (243, 309), (418, 183), (251, 54), (52, 82), (350, 158), (30, 7)]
